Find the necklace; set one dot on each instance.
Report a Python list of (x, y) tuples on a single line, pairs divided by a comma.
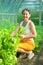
[(24, 24)]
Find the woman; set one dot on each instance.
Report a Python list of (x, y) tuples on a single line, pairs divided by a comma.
[(27, 43)]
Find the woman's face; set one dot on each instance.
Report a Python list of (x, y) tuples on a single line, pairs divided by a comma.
[(26, 15)]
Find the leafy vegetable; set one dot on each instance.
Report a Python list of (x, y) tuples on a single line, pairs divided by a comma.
[(9, 46)]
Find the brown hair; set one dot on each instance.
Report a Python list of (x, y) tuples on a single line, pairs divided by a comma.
[(26, 10)]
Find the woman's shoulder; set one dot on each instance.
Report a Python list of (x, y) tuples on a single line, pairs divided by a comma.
[(31, 22)]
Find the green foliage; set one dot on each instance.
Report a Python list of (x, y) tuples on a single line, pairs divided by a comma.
[(6, 23), (38, 38), (19, 17), (9, 46)]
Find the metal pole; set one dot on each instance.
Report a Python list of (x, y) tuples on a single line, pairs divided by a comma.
[(40, 12)]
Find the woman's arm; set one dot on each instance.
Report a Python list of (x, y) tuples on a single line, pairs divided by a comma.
[(33, 31), (15, 31)]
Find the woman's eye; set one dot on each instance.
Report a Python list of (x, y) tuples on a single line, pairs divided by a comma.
[(24, 14)]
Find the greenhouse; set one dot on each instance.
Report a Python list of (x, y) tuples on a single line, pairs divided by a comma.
[(10, 18), (9, 10)]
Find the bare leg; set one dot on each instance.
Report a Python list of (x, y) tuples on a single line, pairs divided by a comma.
[(23, 53), (30, 54), (21, 50)]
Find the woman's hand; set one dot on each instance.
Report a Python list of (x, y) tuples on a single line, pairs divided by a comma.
[(22, 36)]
